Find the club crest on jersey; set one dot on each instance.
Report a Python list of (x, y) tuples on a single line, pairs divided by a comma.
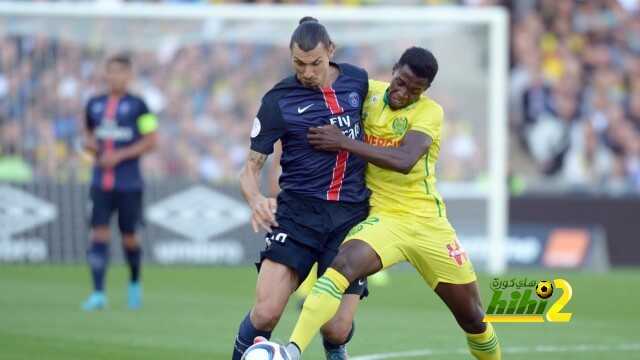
[(354, 99), (400, 125), (123, 109), (97, 108), (255, 130)]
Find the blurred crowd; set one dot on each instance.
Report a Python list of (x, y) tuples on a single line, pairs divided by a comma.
[(205, 95), (575, 92), (574, 101)]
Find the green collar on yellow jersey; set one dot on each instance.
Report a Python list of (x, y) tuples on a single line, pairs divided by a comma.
[(385, 98)]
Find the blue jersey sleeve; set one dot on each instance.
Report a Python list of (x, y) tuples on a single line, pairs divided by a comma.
[(268, 126)]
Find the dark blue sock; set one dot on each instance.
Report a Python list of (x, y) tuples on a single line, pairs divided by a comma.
[(98, 259), (133, 255), (245, 337), (329, 346)]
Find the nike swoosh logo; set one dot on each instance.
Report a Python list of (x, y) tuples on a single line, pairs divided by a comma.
[(301, 110), (360, 282)]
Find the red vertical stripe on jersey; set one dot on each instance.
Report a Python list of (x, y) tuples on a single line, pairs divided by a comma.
[(331, 100), (338, 176), (339, 170), (108, 175)]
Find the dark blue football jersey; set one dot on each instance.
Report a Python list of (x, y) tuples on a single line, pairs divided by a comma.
[(115, 122), (287, 112)]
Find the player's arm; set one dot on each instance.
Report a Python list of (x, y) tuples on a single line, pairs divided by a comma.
[(268, 128), (89, 140), (263, 209), (401, 159)]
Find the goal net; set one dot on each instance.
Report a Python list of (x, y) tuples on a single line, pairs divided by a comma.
[(203, 70)]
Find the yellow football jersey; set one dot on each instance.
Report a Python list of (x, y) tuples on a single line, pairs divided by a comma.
[(414, 193)]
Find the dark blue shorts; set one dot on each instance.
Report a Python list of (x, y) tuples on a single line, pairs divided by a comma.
[(128, 205), (310, 231)]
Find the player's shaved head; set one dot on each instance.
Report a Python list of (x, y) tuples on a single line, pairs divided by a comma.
[(121, 59), (412, 75), (309, 34), (421, 62)]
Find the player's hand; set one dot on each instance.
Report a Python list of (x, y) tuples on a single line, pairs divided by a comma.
[(110, 159), (90, 144), (263, 213), (326, 138)]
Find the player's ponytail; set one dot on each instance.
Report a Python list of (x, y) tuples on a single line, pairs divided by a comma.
[(308, 19), (309, 33)]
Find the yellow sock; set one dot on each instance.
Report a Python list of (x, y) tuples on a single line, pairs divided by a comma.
[(305, 288), (321, 305), (485, 346)]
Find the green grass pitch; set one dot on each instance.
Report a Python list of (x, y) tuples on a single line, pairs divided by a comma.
[(193, 313)]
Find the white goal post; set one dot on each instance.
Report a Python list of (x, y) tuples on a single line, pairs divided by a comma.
[(371, 23)]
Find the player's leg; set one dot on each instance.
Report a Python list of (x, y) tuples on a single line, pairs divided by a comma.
[(98, 251), (284, 263), (340, 329), (129, 206), (464, 302), (276, 282), (368, 248), (433, 249), (305, 288)]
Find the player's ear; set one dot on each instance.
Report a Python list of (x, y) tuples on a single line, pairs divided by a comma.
[(331, 51)]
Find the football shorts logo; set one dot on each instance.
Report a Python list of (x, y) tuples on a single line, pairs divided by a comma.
[(301, 110), (369, 221), (457, 253), (354, 99), (255, 130)]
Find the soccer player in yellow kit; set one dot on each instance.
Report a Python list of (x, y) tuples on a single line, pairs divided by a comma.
[(408, 220)]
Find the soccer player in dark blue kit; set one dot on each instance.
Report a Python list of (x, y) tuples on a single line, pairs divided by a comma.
[(323, 194), (119, 130)]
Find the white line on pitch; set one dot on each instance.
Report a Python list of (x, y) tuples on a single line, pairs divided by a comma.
[(510, 350)]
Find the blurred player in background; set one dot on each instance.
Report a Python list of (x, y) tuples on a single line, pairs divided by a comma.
[(408, 220), (322, 195), (119, 130)]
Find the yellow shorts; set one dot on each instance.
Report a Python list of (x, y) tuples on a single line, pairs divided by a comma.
[(429, 244)]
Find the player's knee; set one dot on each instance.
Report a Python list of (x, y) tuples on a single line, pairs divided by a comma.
[(100, 234), (130, 241), (337, 331), (265, 316), (472, 322), (342, 265)]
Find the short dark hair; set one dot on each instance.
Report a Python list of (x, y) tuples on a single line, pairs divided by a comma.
[(309, 33), (122, 59), (421, 61)]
